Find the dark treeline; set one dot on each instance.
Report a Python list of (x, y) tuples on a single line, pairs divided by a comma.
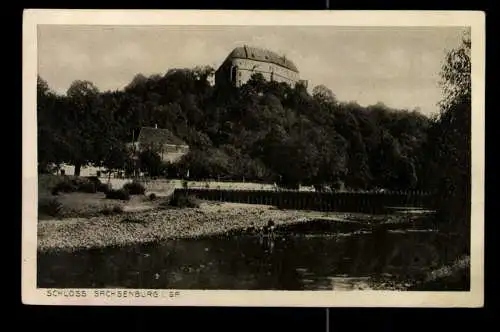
[(267, 131), (264, 131)]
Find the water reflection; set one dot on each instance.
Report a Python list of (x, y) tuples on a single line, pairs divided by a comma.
[(280, 261)]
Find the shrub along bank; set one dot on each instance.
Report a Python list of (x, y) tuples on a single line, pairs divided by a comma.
[(76, 205), (69, 196), (54, 184)]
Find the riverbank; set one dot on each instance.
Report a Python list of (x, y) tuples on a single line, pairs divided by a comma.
[(450, 277), (157, 224)]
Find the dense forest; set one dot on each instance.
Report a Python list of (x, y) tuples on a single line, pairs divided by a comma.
[(265, 131)]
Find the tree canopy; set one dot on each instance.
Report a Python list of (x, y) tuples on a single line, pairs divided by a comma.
[(262, 131), (449, 145)]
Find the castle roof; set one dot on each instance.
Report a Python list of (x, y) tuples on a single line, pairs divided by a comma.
[(149, 135), (260, 54)]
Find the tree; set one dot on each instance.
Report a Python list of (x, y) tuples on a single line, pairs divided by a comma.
[(202, 73), (82, 89), (456, 76), (45, 112), (254, 85), (85, 133), (151, 162), (206, 164), (323, 94), (138, 82), (42, 87), (358, 173), (265, 131), (451, 134), (116, 158)]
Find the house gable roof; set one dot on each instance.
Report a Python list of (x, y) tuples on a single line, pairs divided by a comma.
[(149, 135)]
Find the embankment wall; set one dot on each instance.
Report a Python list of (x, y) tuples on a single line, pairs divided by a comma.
[(367, 202)]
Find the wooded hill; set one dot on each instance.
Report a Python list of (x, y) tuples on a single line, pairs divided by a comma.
[(263, 131)]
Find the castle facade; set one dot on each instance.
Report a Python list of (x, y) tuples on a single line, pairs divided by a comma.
[(243, 62)]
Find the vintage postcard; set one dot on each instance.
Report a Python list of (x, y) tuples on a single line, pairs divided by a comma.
[(253, 158)]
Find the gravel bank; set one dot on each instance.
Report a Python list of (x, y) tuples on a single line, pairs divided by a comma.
[(156, 225)]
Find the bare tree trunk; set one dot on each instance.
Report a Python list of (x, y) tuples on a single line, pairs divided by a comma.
[(78, 167)]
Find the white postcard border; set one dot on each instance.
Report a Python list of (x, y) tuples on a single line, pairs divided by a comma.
[(32, 295)]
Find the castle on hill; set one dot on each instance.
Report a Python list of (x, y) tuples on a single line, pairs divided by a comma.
[(244, 61)]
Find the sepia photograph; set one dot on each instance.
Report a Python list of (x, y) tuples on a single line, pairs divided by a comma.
[(235, 157)]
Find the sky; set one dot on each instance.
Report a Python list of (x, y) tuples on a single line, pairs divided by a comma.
[(397, 66)]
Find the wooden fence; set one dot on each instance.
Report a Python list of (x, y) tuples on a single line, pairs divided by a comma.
[(368, 202)]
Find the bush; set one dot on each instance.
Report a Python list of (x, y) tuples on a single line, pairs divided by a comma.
[(49, 206), (94, 179), (65, 187), (188, 201), (103, 187), (79, 181), (117, 209), (135, 188), (87, 187), (121, 194), (99, 186)]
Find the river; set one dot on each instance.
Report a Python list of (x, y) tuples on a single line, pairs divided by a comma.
[(295, 258)]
